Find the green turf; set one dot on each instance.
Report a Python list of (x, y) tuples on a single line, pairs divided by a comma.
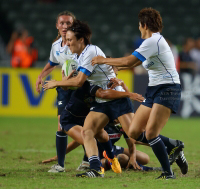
[(24, 142)]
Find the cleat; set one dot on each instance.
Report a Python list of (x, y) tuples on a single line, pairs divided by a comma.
[(166, 176), (182, 163), (115, 165), (175, 151), (56, 169), (91, 174), (84, 166)]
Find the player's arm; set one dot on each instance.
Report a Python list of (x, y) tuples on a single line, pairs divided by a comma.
[(77, 81), (71, 146), (132, 151), (128, 61), (112, 94), (46, 70)]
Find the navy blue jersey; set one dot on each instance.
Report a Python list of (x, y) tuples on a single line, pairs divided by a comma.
[(79, 103), (115, 132)]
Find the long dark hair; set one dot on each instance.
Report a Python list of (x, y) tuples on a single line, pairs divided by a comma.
[(66, 13), (81, 30)]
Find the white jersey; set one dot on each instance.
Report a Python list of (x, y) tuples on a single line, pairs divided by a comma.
[(158, 60), (58, 54), (98, 74)]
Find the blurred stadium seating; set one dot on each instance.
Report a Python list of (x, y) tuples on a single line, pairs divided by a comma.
[(114, 23)]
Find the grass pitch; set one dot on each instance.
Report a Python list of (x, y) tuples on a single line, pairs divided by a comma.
[(25, 142)]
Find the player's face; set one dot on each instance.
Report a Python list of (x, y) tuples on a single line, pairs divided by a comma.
[(142, 31), (74, 44), (63, 23)]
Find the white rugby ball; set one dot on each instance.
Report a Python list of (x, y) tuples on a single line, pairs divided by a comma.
[(68, 67)]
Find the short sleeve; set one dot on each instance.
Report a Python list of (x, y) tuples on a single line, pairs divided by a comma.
[(85, 65), (52, 60), (147, 49)]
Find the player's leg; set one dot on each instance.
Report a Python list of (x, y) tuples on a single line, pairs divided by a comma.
[(94, 123), (158, 118), (139, 122)]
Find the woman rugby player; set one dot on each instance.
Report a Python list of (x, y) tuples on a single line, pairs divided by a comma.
[(163, 91)]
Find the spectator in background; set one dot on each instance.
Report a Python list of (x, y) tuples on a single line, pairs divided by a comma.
[(187, 64), (22, 52), (195, 54)]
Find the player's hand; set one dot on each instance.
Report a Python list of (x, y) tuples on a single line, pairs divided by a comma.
[(137, 97), (49, 85), (38, 83), (67, 77), (98, 60), (132, 164), (50, 160), (114, 82)]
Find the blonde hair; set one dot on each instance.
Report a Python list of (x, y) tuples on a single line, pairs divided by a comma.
[(66, 13)]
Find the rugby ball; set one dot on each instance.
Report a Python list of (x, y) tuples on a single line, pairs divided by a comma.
[(68, 67)]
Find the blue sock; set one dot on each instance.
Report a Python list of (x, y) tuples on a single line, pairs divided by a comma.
[(108, 148), (61, 144), (169, 143), (145, 168), (94, 163), (159, 150)]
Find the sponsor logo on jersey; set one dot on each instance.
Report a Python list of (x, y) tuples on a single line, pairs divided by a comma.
[(149, 65), (57, 53)]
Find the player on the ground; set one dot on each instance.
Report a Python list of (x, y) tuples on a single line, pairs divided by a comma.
[(163, 91)]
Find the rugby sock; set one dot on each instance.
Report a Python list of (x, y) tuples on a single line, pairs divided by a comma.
[(159, 150), (61, 145), (169, 143), (145, 168), (108, 148), (94, 163)]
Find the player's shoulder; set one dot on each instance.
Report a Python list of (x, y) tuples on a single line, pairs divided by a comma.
[(154, 39), (57, 43)]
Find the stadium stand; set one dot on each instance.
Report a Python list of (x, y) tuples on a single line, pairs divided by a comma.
[(114, 25)]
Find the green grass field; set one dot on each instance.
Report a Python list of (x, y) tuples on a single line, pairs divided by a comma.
[(25, 142)]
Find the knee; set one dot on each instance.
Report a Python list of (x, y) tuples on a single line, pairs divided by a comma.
[(134, 133), (102, 136), (87, 133), (146, 159), (150, 134)]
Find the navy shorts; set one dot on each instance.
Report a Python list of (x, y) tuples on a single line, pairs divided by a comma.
[(168, 95), (62, 98), (113, 109), (67, 120), (116, 150)]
